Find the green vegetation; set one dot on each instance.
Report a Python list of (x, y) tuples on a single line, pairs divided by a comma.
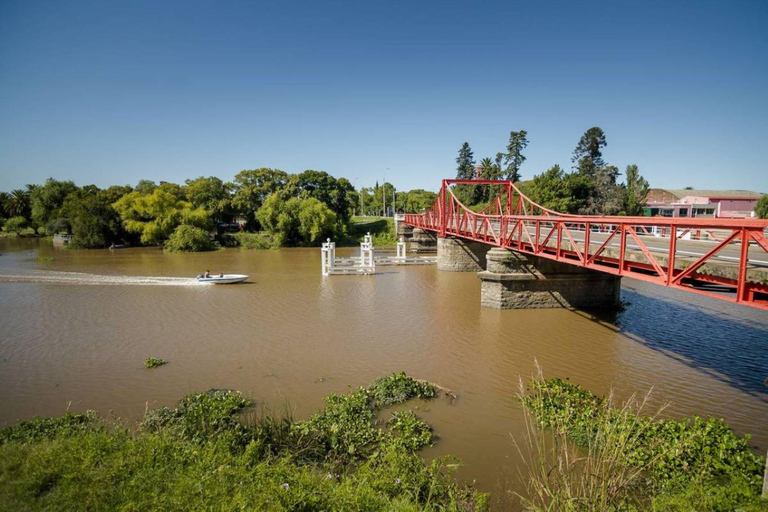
[(44, 259), (153, 362), (261, 240), (591, 189), (202, 454), (761, 209), (626, 459), (382, 231), (186, 238), (293, 221), (277, 208), (15, 225)]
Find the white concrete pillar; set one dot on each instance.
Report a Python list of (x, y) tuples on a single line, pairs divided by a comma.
[(328, 256), (401, 249)]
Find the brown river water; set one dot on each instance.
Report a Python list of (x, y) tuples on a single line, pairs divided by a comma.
[(75, 331)]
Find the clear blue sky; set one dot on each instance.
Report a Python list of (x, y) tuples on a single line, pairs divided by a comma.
[(110, 92)]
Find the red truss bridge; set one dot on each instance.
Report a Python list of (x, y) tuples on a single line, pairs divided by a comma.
[(722, 258)]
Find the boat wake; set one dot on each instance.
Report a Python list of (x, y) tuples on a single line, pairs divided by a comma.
[(79, 278)]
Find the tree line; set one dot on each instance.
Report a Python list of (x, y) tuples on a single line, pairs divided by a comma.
[(296, 209), (591, 188)]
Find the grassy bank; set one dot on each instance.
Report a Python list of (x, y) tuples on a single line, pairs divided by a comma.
[(212, 451), (382, 230), (593, 454)]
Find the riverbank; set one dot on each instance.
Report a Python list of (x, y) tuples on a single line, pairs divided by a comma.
[(214, 450), (362, 451), (292, 337)]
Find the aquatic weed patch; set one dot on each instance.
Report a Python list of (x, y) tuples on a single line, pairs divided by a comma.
[(200, 454), (694, 463), (154, 362), (397, 388)]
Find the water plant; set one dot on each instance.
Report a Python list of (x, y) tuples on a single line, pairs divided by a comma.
[(590, 450), (154, 362), (208, 452), (44, 259)]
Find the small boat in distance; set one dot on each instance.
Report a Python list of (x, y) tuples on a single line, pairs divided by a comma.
[(223, 279)]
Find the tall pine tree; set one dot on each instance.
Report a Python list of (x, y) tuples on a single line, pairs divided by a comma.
[(514, 158), (466, 163)]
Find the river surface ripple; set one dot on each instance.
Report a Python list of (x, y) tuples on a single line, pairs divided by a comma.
[(75, 331)]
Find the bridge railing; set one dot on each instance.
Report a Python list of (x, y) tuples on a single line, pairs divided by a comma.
[(722, 258)]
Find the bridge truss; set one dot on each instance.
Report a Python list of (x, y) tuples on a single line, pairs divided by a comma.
[(722, 258)]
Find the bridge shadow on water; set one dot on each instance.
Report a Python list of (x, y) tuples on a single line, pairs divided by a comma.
[(732, 348)]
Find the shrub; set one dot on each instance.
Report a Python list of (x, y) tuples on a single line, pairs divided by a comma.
[(255, 240), (15, 224), (188, 238)]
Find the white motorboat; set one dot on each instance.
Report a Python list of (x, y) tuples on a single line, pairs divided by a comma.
[(223, 279)]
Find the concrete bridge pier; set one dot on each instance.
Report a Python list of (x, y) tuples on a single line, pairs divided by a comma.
[(403, 230), (518, 281), (423, 241), (459, 255)]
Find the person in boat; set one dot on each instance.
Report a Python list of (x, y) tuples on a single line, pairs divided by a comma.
[(207, 274), (221, 274)]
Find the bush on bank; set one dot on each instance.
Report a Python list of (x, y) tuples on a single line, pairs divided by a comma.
[(188, 238), (201, 454), (693, 464)]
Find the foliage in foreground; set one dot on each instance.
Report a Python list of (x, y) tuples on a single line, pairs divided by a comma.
[(626, 459), (201, 455)]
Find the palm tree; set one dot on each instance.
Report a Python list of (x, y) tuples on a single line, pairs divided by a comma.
[(18, 204), (4, 198)]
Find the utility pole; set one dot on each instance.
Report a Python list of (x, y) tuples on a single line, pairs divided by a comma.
[(384, 193)]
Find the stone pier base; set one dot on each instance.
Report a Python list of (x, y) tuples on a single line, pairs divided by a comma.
[(423, 241), (404, 231), (458, 255), (516, 281)]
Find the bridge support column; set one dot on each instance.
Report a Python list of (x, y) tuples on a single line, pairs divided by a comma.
[(423, 241), (517, 281), (459, 255), (403, 230)]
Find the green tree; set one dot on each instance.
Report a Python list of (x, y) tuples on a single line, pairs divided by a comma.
[(514, 157), (636, 191), (15, 224), (294, 221), (565, 193), (251, 189), (588, 153), (145, 187), (186, 238), (46, 200), (761, 208), (465, 169), (335, 193), (155, 216), (94, 222), (213, 195), (17, 205), (4, 198)]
